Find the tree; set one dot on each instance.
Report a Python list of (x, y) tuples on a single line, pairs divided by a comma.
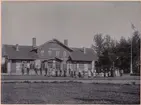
[(106, 48), (98, 45), (123, 53), (107, 42), (105, 62), (136, 51), (117, 53)]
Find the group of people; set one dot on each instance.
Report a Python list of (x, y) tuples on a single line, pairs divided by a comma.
[(41, 67), (27, 66)]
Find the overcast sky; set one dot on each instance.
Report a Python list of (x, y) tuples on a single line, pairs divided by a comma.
[(76, 21)]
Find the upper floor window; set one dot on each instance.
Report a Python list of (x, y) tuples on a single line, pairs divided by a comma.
[(64, 53), (57, 53), (49, 52), (42, 52)]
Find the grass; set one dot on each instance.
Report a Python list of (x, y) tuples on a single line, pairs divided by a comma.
[(69, 93)]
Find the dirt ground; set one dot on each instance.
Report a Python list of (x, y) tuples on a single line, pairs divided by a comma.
[(69, 93), (39, 77)]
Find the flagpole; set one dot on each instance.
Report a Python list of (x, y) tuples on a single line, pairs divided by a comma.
[(131, 67), (131, 64)]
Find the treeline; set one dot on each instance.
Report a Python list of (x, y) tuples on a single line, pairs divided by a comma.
[(113, 54)]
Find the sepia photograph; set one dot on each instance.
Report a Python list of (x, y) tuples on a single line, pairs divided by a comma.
[(70, 52)]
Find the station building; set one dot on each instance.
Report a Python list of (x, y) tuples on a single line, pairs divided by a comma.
[(57, 54)]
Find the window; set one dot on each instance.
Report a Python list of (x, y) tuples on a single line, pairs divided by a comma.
[(57, 53), (42, 52), (64, 54), (49, 52)]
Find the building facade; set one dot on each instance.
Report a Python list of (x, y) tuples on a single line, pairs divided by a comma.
[(59, 57)]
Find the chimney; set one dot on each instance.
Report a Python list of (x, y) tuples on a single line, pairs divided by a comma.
[(84, 50), (34, 42), (66, 42), (17, 47)]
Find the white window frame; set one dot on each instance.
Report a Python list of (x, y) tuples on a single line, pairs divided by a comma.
[(49, 52), (64, 54), (42, 52), (57, 53)]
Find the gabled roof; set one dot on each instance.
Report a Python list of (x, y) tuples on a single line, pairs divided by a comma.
[(26, 52), (57, 41), (79, 55), (23, 53), (53, 58)]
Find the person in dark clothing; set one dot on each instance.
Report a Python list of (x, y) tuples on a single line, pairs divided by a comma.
[(65, 73), (46, 68), (31, 65), (41, 68), (22, 67), (79, 74), (28, 67), (36, 68)]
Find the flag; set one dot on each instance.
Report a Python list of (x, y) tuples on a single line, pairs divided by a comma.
[(133, 27)]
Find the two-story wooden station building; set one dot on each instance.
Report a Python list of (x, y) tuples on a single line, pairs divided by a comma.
[(57, 54)]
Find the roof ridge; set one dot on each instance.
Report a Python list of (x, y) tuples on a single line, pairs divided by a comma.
[(56, 40), (15, 45), (81, 47)]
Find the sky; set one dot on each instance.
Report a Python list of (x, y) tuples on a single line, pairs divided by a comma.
[(76, 21)]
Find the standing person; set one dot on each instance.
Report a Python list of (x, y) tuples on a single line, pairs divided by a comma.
[(31, 66), (22, 68), (121, 72), (65, 71), (36, 67), (46, 68), (25, 66), (41, 67), (28, 67)]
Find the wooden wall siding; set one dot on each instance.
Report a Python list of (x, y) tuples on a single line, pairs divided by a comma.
[(18, 68), (64, 66), (74, 67), (58, 65), (55, 48), (13, 67), (85, 67), (50, 64), (69, 66), (81, 66), (89, 66)]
